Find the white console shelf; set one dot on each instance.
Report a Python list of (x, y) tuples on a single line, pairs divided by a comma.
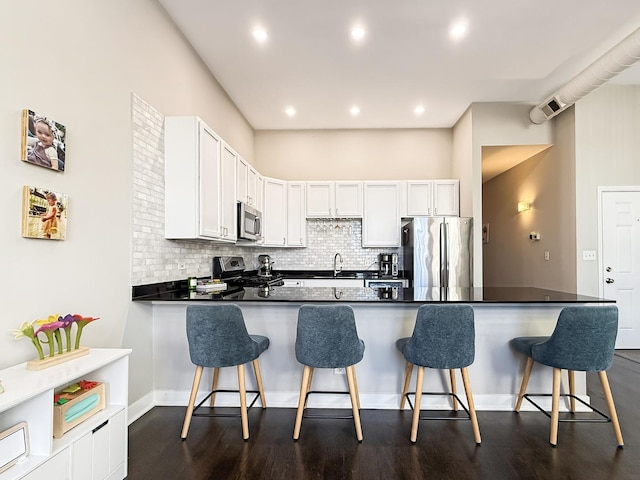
[(96, 448)]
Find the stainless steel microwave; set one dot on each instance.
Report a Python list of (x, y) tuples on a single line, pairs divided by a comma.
[(249, 222)]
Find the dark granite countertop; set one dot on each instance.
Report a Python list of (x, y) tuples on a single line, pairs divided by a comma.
[(177, 291)]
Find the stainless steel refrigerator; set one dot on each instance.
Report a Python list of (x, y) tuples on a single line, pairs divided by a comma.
[(438, 251)]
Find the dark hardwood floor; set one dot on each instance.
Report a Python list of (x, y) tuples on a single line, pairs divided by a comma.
[(514, 446)]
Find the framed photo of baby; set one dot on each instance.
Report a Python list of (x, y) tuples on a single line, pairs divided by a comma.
[(43, 141), (44, 213)]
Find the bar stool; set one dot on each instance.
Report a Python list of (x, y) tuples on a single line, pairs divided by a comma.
[(583, 340), (327, 338), (443, 338), (218, 338)]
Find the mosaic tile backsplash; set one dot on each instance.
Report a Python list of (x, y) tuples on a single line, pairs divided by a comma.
[(156, 259)]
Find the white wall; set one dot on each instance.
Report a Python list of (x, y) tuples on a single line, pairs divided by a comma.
[(607, 146), (79, 62)]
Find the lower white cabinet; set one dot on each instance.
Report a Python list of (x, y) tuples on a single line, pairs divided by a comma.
[(325, 282), (95, 449), (101, 453)]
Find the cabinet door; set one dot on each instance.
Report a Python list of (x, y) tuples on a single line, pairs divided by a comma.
[(348, 199), (419, 198), (446, 198), (228, 215), (259, 192), (275, 212), (252, 187), (243, 173), (320, 197), (296, 221), (381, 219), (209, 183)]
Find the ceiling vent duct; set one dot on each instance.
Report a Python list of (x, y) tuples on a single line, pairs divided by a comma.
[(612, 63)]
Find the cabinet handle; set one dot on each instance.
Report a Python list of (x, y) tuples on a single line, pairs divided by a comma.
[(103, 424), (284, 241), (330, 211)]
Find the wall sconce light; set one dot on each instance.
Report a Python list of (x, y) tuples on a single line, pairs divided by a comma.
[(524, 206)]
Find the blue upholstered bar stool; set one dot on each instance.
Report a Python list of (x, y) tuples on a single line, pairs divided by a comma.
[(583, 340), (218, 338), (327, 338), (443, 338)]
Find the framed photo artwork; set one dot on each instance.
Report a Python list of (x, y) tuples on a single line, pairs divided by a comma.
[(43, 141), (44, 214)]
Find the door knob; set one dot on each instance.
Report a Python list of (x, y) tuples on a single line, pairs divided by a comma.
[(609, 280), (608, 269)]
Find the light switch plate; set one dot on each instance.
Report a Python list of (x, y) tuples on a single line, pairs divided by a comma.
[(589, 255)]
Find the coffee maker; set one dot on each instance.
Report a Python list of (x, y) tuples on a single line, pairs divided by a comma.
[(266, 265), (388, 264)]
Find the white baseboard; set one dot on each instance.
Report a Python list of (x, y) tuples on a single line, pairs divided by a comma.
[(140, 407)]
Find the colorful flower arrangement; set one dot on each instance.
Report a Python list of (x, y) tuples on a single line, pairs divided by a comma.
[(52, 328)]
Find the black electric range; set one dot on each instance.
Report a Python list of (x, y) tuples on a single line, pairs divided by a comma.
[(231, 270)]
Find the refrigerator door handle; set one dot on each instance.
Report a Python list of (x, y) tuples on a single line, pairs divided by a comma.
[(444, 255)]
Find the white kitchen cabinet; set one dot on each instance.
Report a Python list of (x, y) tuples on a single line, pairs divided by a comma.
[(274, 215), (228, 210), (259, 194), (296, 221), (341, 199), (193, 181), (331, 282), (381, 218), (433, 198), (249, 188), (28, 397)]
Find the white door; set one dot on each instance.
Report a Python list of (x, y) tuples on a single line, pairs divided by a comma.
[(620, 265)]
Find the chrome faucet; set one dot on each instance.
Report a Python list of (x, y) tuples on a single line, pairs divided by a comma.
[(337, 268)]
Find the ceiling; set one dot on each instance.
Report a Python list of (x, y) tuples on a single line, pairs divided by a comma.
[(514, 51)]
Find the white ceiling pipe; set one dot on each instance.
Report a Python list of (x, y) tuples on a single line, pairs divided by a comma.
[(612, 63)]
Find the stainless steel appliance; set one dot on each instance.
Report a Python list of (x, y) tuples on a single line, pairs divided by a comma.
[(266, 266), (249, 222), (438, 251), (232, 271), (388, 264)]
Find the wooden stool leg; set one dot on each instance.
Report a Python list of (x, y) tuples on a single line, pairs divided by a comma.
[(407, 379), (355, 384), (452, 377), (525, 381), (304, 388), (306, 399), (472, 407), (256, 369), (243, 403), (214, 385), (572, 390), (555, 406), (192, 400), (604, 380), (416, 407), (355, 404)]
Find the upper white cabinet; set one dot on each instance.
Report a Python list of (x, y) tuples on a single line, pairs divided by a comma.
[(296, 222), (250, 184), (228, 212), (433, 198), (381, 219), (343, 199), (274, 216), (193, 180)]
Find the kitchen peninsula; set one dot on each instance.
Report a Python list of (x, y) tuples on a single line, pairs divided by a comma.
[(500, 314)]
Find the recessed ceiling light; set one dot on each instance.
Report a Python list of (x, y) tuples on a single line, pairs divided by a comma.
[(259, 34), (358, 33), (419, 110), (290, 111), (458, 30), (355, 110)]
